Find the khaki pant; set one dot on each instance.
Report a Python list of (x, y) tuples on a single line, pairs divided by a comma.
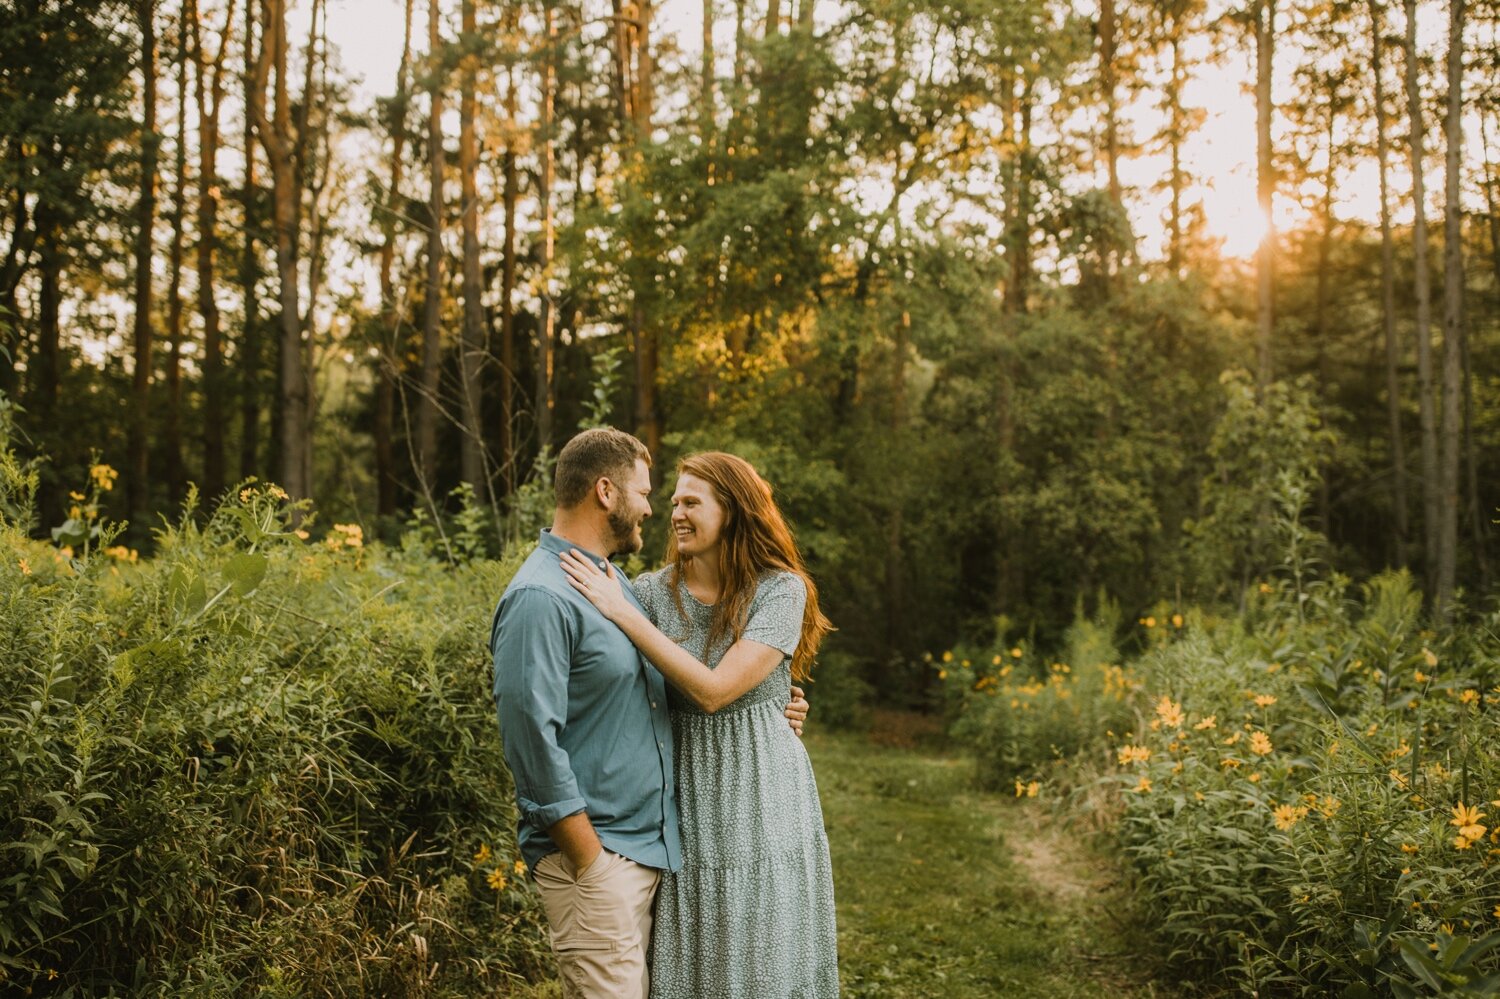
[(601, 923)]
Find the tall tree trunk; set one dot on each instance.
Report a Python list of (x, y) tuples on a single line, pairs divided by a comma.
[(508, 374), (545, 400), (138, 482), (48, 364), (1107, 84), (471, 360), (250, 275), (432, 343), (209, 92), (172, 430), (1453, 316), (644, 334), (1426, 406), (1265, 257), (276, 137), (392, 311), (1388, 297)]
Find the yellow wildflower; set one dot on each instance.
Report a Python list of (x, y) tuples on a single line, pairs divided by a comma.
[(1177, 620), (1230, 762), (1015, 653), (1429, 657), (301, 535), (1265, 587), (1144, 786), (1033, 789), (76, 497), (948, 656), (995, 661), (1287, 816), (1496, 913), (1470, 696), (1408, 848), (496, 880), (1254, 778), (1461, 842), (519, 867), (483, 854), (1134, 754), (25, 567), (1465, 815), (1209, 722), (276, 492), (1233, 738), (1265, 700), (1170, 712), (1149, 622), (1260, 744)]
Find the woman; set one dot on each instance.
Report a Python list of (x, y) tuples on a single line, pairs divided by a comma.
[(730, 621)]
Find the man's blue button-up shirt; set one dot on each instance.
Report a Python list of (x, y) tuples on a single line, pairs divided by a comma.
[(583, 717)]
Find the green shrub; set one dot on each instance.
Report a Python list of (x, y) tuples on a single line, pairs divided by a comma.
[(255, 762)]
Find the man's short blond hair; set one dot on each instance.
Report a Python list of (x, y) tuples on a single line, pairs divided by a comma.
[(600, 453)]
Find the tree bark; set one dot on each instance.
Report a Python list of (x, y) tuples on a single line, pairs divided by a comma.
[(432, 343), (1107, 84), (1265, 257), (1422, 282), (1453, 318), (508, 374), (471, 360), (545, 389), (392, 311), (250, 275), (1388, 297), (275, 132), (209, 93), (172, 429), (138, 483)]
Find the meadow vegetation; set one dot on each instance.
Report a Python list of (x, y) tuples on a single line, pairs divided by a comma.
[(256, 763)]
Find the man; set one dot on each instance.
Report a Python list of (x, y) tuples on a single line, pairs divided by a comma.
[(587, 737)]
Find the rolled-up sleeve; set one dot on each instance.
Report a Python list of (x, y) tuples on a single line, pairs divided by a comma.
[(532, 642)]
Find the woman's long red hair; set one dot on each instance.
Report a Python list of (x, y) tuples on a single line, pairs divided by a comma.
[(755, 540)]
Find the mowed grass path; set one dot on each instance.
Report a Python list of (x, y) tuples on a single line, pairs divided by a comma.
[(946, 891)]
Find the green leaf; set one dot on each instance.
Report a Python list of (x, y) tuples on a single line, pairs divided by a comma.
[(244, 572)]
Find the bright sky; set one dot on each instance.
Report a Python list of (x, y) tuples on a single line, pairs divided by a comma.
[(1221, 152)]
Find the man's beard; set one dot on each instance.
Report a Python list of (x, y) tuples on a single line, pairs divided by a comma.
[(624, 540)]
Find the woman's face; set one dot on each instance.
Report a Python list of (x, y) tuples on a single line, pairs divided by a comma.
[(697, 517)]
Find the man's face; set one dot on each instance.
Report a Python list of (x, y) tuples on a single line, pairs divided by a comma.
[(632, 505)]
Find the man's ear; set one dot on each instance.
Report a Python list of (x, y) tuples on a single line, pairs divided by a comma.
[(604, 491)]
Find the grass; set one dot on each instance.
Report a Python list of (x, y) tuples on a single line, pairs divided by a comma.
[(945, 891)]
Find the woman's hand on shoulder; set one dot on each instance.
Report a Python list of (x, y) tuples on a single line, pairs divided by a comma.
[(603, 587)]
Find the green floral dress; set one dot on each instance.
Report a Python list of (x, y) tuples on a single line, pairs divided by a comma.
[(750, 914)]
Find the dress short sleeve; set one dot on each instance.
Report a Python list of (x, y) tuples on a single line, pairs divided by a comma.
[(645, 591), (776, 612)]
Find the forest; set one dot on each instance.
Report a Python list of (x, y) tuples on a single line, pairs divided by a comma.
[(1129, 371)]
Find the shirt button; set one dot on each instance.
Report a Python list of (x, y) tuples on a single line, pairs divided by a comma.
[(653, 704), (660, 745)]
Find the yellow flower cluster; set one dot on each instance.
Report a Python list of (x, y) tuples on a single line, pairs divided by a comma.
[(1134, 754), (104, 477), (122, 554), (496, 880), (1260, 744), (1030, 790), (1287, 816), (346, 536)]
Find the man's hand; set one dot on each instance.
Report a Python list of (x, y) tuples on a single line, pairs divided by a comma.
[(576, 838), (797, 709)]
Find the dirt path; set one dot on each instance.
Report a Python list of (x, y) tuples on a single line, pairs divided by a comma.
[(949, 892)]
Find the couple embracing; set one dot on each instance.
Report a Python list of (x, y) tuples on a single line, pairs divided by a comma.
[(668, 814)]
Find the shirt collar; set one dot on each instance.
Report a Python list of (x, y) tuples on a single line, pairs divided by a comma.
[(557, 545)]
